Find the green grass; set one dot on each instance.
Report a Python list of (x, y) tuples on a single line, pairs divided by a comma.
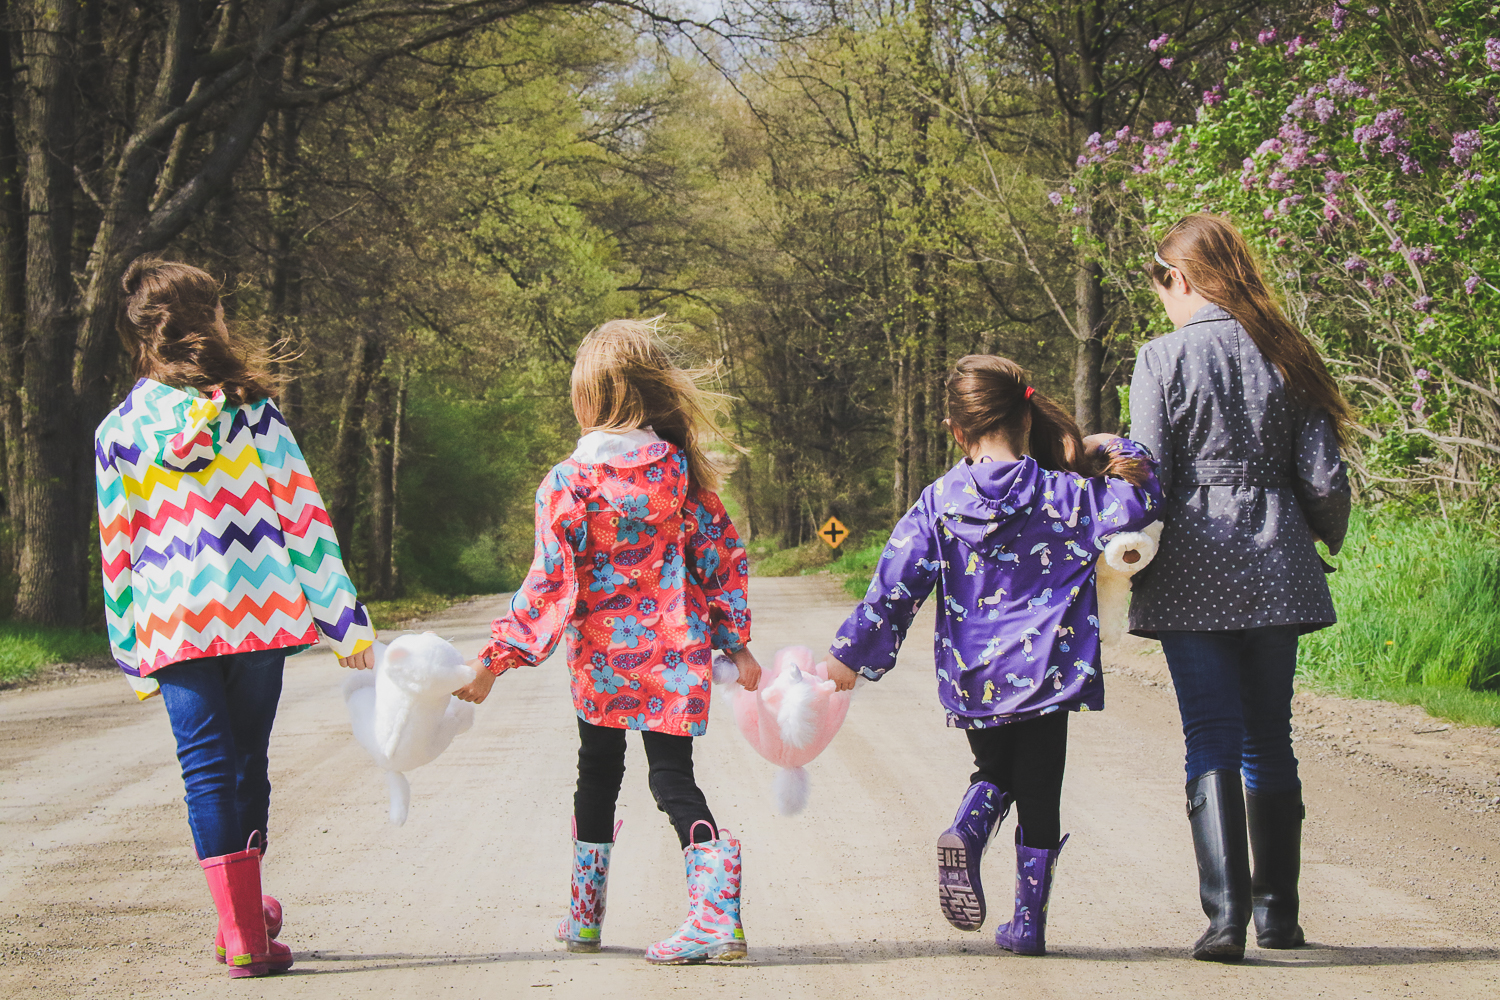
[(394, 614), (766, 559), (1419, 619), (26, 649), (855, 567)]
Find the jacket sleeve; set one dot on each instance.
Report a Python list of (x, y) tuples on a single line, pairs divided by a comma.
[(721, 569), (1095, 507), (115, 536), (1150, 419), (1322, 484), (308, 535), (540, 610), (871, 636)]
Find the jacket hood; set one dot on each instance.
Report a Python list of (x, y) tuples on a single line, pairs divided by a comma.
[(639, 474), (977, 503), (185, 431)]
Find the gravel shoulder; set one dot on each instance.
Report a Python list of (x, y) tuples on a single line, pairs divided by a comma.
[(100, 894)]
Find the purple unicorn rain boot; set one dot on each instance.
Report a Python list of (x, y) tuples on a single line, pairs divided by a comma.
[(580, 930), (960, 849), (1026, 934)]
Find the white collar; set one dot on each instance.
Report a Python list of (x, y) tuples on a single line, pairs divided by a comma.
[(602, 446)]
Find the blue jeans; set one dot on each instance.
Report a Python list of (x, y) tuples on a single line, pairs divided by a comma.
[(1234, 690), (221, 709)]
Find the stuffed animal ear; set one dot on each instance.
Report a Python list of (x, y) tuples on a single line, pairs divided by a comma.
[(396, 655)]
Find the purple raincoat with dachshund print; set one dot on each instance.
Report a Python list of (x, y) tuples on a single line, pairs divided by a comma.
[(1011, 548)]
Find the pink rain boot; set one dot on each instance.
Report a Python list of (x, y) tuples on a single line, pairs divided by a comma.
[(581, 929), (712, 929), (273, 915), (234, 883)]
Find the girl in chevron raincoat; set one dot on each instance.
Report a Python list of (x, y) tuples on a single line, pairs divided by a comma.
[(1009, 537), (219, 560), (639, 569)]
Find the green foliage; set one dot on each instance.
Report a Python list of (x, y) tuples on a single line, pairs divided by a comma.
[(404, 610), (1360, 159), (855, 567), (1419, 607), (25, 649)]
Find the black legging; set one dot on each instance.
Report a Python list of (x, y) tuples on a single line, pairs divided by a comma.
[(601, 768), (1026, 759)]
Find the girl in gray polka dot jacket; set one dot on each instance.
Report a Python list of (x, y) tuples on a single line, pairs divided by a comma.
[(1246, 423)]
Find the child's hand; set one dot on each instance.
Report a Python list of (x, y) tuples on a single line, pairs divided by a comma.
[(362, 660), (843, 678), (1094, 443), (479, 688), (749, 668)]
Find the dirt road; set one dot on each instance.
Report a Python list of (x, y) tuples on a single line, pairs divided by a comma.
[(100, 894)]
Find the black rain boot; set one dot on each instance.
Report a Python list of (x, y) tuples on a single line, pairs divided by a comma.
[(1216, 810), (1276, 841)]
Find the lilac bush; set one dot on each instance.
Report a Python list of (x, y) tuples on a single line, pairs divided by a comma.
[(1362, 160)]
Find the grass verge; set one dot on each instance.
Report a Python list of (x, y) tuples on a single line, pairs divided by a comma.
[(394, 614), (25, 649), (1419, 619)]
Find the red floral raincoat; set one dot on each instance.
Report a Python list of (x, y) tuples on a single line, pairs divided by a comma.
[(644, 575)]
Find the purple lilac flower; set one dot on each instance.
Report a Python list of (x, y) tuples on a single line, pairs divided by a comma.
[(1278, 181), (1111, 146), (1423, 304), (1342, 86), (1388, 280), (1294, 45), (1392, 210), (1465, 145), (1269, 146), (1295, 158), (1055, 198), (1356, 265), (1492, 54), (1339, 16), (1166, 63), (1331, 210), (1333, 181), (1472, 285), (1417, 404), (1421, 375), (1466, 220), (1234, 45), (1161, 130), (1266, 37), (1268, 214), (1410, 165), (1092, 142), (1212, 97), (1082, 159), (1324, 110), (1157, 43)]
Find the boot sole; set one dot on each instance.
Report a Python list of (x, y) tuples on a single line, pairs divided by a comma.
[(730, 952), (961, 901), (583, 947), (1220, 953)]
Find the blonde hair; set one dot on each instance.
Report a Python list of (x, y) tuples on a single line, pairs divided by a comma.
[(625, 377)]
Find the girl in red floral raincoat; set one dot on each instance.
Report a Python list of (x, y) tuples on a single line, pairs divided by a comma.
[(640, 569)]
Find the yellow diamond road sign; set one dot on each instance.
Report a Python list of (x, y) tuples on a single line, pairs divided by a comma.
[(833, 532)]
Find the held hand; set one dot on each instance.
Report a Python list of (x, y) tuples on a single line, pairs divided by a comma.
[(479, 688), (362, 660), (843, 678), (749, 668)]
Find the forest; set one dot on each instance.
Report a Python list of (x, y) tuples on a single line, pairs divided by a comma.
[(423, 205)]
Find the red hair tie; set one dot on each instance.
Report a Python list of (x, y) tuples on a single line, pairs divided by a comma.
[(1029, 391)]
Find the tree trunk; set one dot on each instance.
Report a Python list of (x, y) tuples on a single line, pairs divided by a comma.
[(12, 300), (1088, 361), (364, 362), (382, 492), (51, 567)]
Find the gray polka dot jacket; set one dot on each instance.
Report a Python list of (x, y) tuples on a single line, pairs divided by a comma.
[(1249, 478)]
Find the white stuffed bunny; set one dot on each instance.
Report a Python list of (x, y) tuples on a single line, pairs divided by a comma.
[(1125, 554), (404, 713)]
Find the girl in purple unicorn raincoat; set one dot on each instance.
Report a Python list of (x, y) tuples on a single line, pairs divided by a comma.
[(1009, 537)]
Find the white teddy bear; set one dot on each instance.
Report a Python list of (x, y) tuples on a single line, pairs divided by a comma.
[(404, 713), (1125, 554)]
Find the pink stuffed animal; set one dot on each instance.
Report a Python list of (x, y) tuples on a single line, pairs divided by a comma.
[(790, 718)]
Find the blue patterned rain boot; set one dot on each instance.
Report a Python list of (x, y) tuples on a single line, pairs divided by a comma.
[(960, 849), (1026, 934), (581, 928), (712, 929)]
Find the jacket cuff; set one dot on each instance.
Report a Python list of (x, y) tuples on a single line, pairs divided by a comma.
[(498, 657)]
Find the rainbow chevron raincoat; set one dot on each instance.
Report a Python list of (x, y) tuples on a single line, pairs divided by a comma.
[(213, 535)]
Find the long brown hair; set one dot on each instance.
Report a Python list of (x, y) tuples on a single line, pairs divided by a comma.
[(992, 395), (172, 324), (1217, 261), (625, 377)]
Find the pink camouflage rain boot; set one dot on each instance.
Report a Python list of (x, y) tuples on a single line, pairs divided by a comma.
[(712, 929), (581, 929)]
